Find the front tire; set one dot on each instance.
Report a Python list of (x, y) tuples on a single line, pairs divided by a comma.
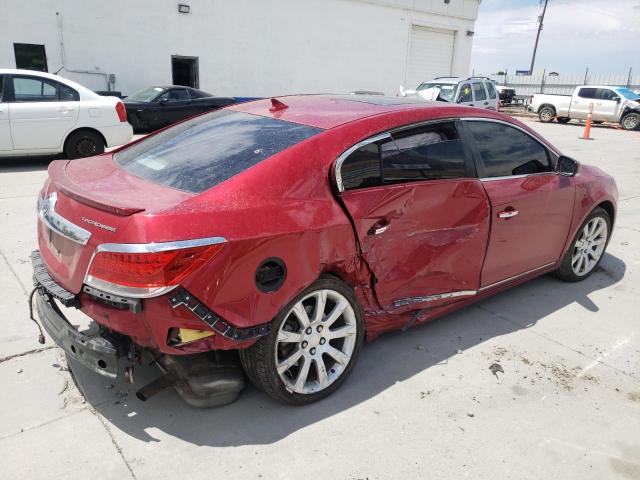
[(84, 143), (313, 345), (546, 114), (631, 121), (587, 248)]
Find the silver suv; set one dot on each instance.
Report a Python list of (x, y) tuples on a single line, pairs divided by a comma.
[(472, 91)]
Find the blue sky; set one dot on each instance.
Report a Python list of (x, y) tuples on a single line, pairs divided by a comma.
[(601, 34)]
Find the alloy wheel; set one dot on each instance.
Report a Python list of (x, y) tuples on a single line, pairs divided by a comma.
[(546, 114), (590, 246), (315, 342), (631, 122)]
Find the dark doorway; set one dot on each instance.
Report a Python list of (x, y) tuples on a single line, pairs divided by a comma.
[(30, 56), (184, 71)]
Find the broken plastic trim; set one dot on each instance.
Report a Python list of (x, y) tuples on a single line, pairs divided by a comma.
[(215, 322)]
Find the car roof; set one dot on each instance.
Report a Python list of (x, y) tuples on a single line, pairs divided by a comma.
[(50, 76), (329, 111)]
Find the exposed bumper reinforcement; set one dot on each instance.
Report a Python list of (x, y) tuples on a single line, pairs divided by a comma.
[(94, 352)]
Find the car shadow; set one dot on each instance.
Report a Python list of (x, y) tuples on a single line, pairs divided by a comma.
[(27, 163), (256, 419)]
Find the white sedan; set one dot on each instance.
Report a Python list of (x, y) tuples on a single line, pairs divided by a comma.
[(42, 114)]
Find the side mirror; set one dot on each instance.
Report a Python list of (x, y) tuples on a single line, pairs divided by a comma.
[(567, 166), (617, 99)]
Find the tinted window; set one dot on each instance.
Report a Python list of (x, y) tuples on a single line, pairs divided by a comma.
[(34, 90), (1, 87), (174, 95), (30, 57), (427, 153), (478, 91), (465, 93), (67, 94), (506, 151), (362, 168), (606, 94), (204, 151), (587, 92), (198, 93), (490, 89)]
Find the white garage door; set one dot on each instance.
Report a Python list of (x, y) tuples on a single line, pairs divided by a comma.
[(430, 55)]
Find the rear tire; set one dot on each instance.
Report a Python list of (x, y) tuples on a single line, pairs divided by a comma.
[(563, 119), (631, 121), (83, 143), (546, 114), (303, 360), (589, 244)]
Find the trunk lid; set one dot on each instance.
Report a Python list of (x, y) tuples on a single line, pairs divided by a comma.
[(89, 202)]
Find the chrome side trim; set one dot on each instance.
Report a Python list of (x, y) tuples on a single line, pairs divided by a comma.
[(431, 298), (505, 177), (136, 292), (515, 277), (59, 224), (349, 151)]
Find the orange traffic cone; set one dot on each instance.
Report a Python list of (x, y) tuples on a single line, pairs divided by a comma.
[(587, 125)]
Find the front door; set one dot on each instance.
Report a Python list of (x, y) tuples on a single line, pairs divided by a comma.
[(606, 105), (5, 129), (421, 220), (531, 206), (43, 106)]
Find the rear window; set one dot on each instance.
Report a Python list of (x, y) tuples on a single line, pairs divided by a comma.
[(198, 154)]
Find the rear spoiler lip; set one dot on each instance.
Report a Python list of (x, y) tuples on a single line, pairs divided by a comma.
[(66, 187), (118, 210)]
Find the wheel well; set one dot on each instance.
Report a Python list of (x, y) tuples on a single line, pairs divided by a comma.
[(607, 206), (84, 129), (547, 105), (628, 110)]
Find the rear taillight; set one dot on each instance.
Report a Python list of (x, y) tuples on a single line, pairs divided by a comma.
[(121, 111), (147, 270)]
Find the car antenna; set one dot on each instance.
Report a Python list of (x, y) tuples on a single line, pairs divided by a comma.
[(277, 105)]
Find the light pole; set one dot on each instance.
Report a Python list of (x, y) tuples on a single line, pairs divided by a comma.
[(535, 47)]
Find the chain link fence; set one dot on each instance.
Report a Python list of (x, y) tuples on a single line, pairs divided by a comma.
[(562, 84)]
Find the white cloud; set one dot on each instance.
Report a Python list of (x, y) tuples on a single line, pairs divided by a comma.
[(577, 33)]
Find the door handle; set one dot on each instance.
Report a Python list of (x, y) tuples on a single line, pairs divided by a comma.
[(379, 227), (486, 103), (471, 104), (63, 109), (508, 213)]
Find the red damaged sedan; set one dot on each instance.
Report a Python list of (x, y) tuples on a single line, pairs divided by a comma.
[(284, 232)]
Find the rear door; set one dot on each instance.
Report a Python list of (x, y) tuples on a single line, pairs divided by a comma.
[(421, 218), (44, 106), (580, 103), (480, 95), (531, 205), (5, 128)]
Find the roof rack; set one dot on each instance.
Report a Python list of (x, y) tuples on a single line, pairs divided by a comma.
[(485, 78)]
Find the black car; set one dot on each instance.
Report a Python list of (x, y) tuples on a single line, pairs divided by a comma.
[(156, 107)]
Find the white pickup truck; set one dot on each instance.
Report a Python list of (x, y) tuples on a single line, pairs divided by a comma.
[(610, 104)]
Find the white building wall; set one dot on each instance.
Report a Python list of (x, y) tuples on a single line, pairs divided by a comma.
[(245, 47)]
